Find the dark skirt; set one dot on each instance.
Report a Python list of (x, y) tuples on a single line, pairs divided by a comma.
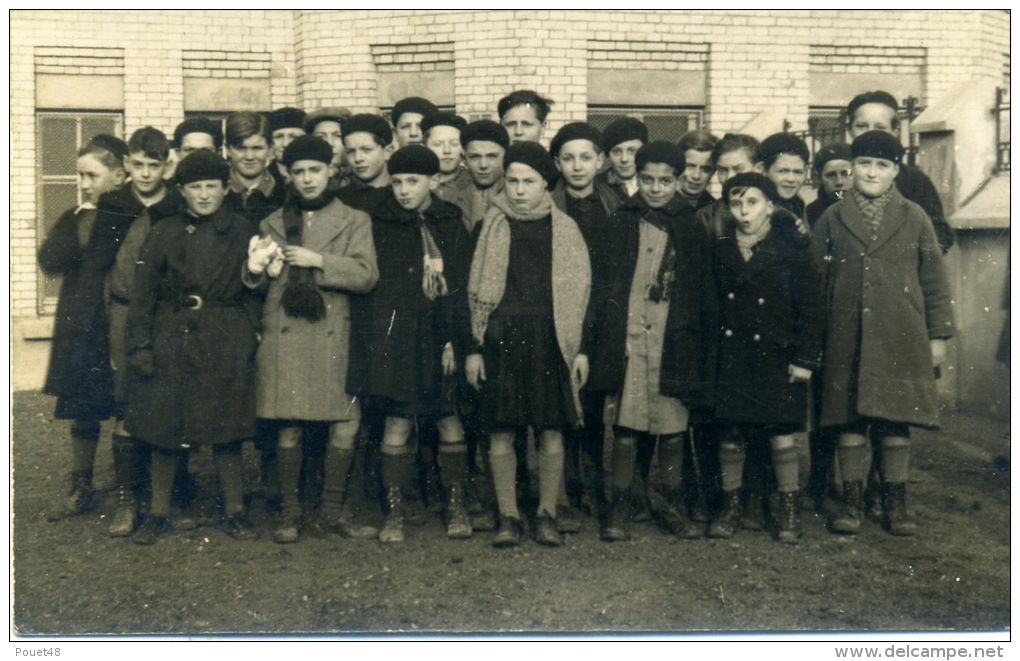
[(527, 382)]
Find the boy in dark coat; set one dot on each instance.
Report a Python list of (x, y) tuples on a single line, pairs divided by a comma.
[(367, 142), (328, 124), (79, 375), (410, 330), (697, 149), (784, 160), (620, 142), (524, 113), (890, 313), (285, 125), (442, 136), (833, 169), (254, 192), (733, 154), (767, 345), (407, 117), (484, 143)]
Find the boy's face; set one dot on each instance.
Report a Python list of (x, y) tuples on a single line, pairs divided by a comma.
[(366, 156), (329, 131), (788, 173), (94, 178), (836, 177), (310, 177), (522, 124), (621, 158), (205, 197), (734, 162), (524, 186), (579, 161), (697, 173), (874, 176), (872, 117), (444, 141), (411, 190), (283, 137), (484, 160), (408, 129), (193, 142), (146, 173), (657, 183), (751, 209), (250, 157)]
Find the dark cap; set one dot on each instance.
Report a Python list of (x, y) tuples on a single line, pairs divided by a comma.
[(286, 118), (533, 155), (837, 151), (413, 159), (110, 143), (877, 144), (307, 148), (485, 130), (367, 123), (660, 151), (336, 114), (575, 131), (622, 130), (201, 165), (750, 180), (199, 125), (442, 119), (417, 104), (783, 143)]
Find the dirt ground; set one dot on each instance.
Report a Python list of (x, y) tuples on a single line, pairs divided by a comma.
[(71, 578)]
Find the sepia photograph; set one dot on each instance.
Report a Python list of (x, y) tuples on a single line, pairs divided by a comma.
[(515, 324)]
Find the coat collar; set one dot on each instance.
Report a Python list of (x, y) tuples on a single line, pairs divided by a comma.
[(438, 210), (329, 221), (892, 221), (768, 251), (220, 219), (600, 189)]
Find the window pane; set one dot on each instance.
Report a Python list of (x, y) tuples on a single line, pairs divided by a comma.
[(667, 127), (93, 126), (58, 139), (662, 124), (55, 200)]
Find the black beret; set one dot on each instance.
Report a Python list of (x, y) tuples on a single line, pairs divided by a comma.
[(286, 118), (199, 125), (201, 165), (622, 130), (367, 123), (575, 131), (750, 180), (423, 107), (783, 143), (442, 119), (837, 151), (533, 155), (413, 159), (877, 144), (307, 148), (660, 151), (336, 114), (110, 143), (485, 130)]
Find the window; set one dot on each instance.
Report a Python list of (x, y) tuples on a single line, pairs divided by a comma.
[(663, 123), (59, 136)]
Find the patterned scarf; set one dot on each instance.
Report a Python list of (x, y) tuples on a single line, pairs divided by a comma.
[(433, 283), (872, 208)]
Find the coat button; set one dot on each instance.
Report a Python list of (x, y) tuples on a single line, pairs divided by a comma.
[(867, 311), (761, 301), (756, 338), (731, 296), (728, 333)]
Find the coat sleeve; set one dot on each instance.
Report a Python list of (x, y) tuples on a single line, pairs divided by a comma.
[(809, 319), (931, 271), (145, 292), (122, 275), (918, 188), (61, 252), (357, 270), (457, 257)]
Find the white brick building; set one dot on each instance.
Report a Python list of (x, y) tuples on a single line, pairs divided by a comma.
[(81, 72)]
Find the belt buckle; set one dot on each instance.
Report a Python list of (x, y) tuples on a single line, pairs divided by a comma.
[(197, 300)]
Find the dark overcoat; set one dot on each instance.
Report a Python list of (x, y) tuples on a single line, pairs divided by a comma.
[(256, 205), (887, 295), (399, 333), (770, 317), (684, 372), (202, 388)]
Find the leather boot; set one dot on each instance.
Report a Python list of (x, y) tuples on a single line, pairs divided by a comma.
[(393, 528), (754, 513), (897, 519), (288, 530), (615, 529), (788, 518), (848, 521), (78, 499), (331, 517), (122, 522), (457, 524), (727, 522), (671, 518)]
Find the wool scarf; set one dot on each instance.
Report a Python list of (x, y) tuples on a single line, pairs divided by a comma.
[(571, 273), (301, 298), (747, 242), (872, 208), (433, 283)]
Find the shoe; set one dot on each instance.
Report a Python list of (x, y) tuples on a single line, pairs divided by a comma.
[(122, 523), (848, 520), (754, 513), (78, 500), (344, 527), (640, 509), (183, 521), (509, 533), (727, 523), (393, 529), (457, 524), (547, 532), (288, 529), (568, 519), (615, 529), (485, 521), (897, 519), (152, 528), (789, 531), (671, 519), (699, 511), (239, 527), (433, 494)]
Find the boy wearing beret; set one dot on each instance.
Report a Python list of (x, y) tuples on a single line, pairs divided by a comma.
[(833, 168), (411, 330), (367, 141), (890, 314), (442, 135), (784, 160), (407, 116), (620, 142), (485, 142), (651, 371), (285, 124), (523, 113)]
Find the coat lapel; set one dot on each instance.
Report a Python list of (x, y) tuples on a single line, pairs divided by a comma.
[(325, 227), (892, 220), (850, 216)]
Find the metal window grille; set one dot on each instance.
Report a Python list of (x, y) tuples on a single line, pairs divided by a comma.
[(1002, 139)]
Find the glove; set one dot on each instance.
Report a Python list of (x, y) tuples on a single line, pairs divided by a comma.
[(260, 253), (141, 362), (276, 264)]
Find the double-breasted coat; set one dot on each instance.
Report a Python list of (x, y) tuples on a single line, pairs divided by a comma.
[(887, 295), (770, 317), (302, 365), (190, 309)]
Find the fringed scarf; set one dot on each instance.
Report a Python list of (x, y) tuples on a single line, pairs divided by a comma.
[(872, 208), (433, 282), (301, 298), (571, 273)]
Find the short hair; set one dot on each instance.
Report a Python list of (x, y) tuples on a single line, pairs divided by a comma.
[(199, 125), (150, 141), (735, 141), (531, 98), (698, 140), (243, 125), (107, 158), (778, 144), (878, 96)]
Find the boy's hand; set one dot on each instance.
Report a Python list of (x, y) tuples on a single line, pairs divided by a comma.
[(141, 362), (449, 363), (580, 370), (938, 352), (798, 374), (260, 252), (474, 370), (275, 266), (303, 257)]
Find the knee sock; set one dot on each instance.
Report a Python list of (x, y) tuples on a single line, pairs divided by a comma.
[(337, 467), (785, 462), (453, 463), (853, 461), (731, 459), (895, 460), (162, 467), (623, 463), (671, 460), (84, 439), (394, 467), (288, 466), (550, 475), (227, 458), (125, 461), (504, 478), (645, 455)]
